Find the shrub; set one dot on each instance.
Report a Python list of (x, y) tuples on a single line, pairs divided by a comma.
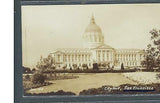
[(33, 70), (38, 78), (64, 67), (84, 66), (27, 77), (122, 66), (95, 66), (104, 64), (157, 76), (26, 70), (60, 92), (74, 66)]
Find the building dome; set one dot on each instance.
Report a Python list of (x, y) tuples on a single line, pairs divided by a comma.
[(93, 27), (93, 36)]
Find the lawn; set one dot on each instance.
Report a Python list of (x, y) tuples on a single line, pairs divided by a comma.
[(85, 81), (143, 77)]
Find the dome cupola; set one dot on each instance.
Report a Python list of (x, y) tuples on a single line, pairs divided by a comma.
[(93, 27), (93, 36)]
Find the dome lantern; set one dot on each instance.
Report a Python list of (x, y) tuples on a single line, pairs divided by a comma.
[(92, 20)]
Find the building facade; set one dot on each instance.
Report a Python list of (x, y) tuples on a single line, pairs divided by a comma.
[(96, 51)]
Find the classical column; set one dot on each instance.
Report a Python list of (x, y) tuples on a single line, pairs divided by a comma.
[(97, 55), (101, 56), (81, 57), (89, 57), (86, 57), (122, 57), (109, 56), (92, 38), (132, 57), (105, 56), (135, 57), (58, 59), (70, 57), (66, 58), (74, 57), (77, 57), (112, 56), (62, 58)]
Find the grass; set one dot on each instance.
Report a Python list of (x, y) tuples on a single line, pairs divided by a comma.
[(29, 85), (85, 81)]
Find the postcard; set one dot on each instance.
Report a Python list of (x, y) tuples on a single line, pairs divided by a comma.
[(95, 49)]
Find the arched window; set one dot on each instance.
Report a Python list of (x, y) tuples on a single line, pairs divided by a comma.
[(79, 56), (95, 38), (90, 38), (69, 58), (58, 57), (75, 57), (99, 39), (82, 57)]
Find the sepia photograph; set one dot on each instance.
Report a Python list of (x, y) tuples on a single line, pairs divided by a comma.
[(95, 49)]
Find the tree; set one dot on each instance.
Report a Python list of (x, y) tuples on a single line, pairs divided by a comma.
[(74, 66), (158, 62), (95, 66), (38, 78), (122, 66), (116, 62), (84, 65), (152, 56), (46, 63), (143, 63), (70, 68), (158, 76), (64, 67), (108, 65), (26, 70), (99, 64), (104, 65), (27, 77), (33, 70), (87, 67)]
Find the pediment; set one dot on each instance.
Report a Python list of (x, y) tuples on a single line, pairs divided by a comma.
[(104, 46), (58, 52)]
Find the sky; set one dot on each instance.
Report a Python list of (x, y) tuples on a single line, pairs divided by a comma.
[(47, 27)]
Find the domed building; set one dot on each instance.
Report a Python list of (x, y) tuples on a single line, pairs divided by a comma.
[(93, 36), (96, 51)]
